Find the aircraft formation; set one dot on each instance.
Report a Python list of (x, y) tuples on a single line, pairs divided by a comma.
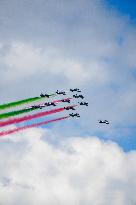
[(66, 100), (60, 104)]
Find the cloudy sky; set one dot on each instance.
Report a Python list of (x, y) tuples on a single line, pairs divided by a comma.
[(57, 44)]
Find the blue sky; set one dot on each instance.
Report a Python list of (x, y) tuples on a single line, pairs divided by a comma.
[(127, 8)]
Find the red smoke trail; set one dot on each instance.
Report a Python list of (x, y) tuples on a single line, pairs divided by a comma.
[(30, 117), (30, 126)]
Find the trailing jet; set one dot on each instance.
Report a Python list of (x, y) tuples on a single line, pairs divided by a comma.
[(45, 95), (66, 100), (60, 93), (42, 95), (35, 106), (76, 89), (49, 104), (103, 121), (52, 103), (83, 103), (74, 115), (69, 108), (78, 96), (43, 105)]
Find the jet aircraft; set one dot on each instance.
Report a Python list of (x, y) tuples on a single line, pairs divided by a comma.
[(103, 121), (78, 96), (83, 103), (45, 95), (42, 95), (74, 115), (76, 89), (66, 100), (60, 93), (49, 104), (35, 106), (69, 108)]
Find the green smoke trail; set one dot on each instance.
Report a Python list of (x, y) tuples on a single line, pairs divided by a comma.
[(16, 112), (21, 102)]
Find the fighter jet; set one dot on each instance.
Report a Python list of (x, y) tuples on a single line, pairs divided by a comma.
[(69, 108), (37, 106), (60, 93), (49, 104), (66, 100), (78, 96), (45, 95), (42, 95), (52, 103), (83, 103), (103, 121), (74, 115), (76, 89), (42, 105)]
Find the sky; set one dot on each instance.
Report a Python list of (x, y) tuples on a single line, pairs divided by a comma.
[(126, 8), (49, 45)]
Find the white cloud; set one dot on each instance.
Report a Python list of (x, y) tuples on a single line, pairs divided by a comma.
[(73, 50), (36, 170), (23, 59)]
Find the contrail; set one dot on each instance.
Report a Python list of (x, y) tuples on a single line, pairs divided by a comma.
[(25, 110), (30, 117), (20, 102), (30, 126)]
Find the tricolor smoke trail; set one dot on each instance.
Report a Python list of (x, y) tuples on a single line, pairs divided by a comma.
[(21, 102), (25, 110), (30, 126), (30, 117)]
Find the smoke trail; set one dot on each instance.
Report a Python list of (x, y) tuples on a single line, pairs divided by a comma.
[(20, 102), (30, 117), (25, 110), (17, 112), (30, 126)]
